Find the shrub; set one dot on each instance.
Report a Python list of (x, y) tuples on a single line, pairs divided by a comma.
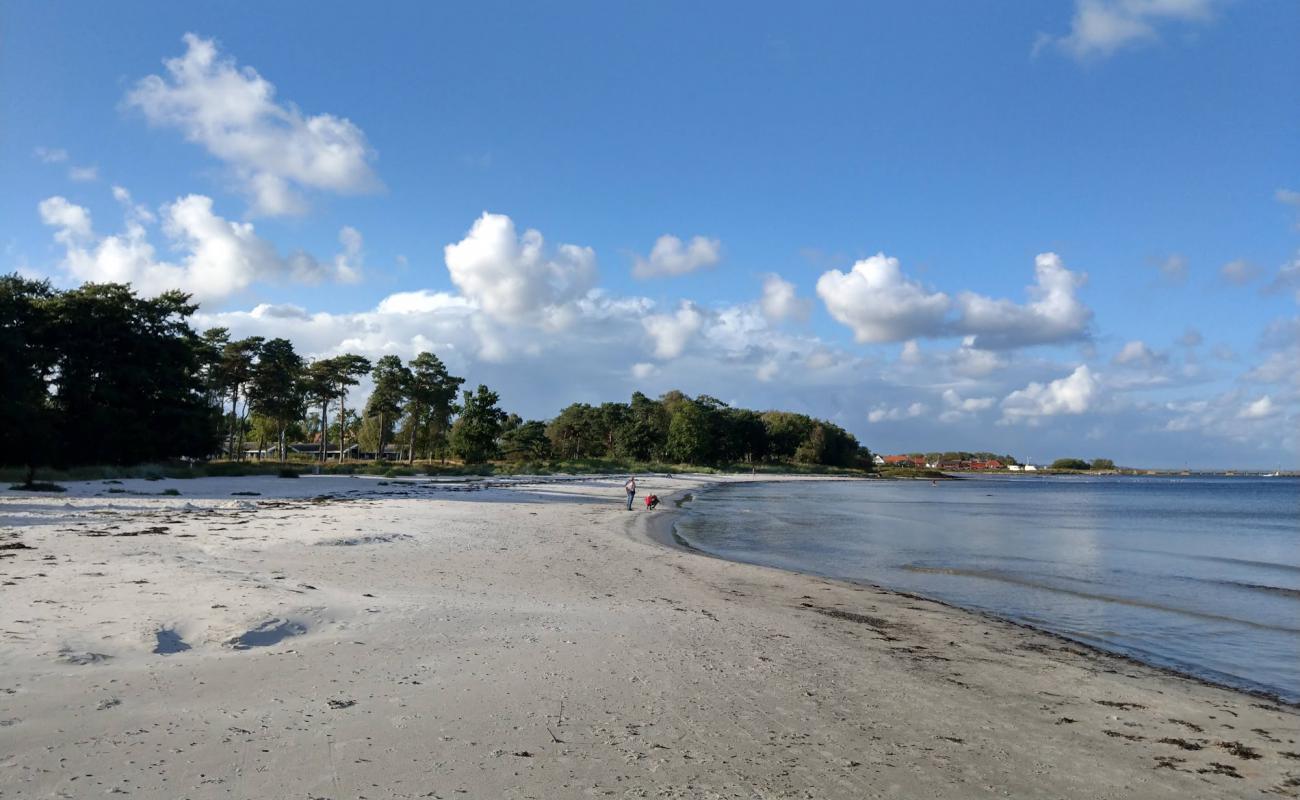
[(171, 492), (1070, 463), (38, 486), (289, 473)]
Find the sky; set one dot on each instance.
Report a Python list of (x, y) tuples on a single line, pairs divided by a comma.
[(1065, 228)]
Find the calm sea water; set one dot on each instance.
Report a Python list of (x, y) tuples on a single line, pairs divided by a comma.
[(1198, 574)]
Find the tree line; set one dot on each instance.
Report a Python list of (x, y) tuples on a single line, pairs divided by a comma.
[(97, 375)]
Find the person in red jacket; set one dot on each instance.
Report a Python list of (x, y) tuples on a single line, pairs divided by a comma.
[(651, 500)]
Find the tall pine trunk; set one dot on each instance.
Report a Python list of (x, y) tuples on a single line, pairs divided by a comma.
[(324, 429), (379, 454), (343, 427), (410, 450)]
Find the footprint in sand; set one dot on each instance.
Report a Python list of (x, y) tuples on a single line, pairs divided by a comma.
[(273, 631), (169, 642)]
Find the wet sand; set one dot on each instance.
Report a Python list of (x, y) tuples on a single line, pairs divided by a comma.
[(352, 637)]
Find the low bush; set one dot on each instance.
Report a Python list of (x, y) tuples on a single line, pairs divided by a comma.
[(38, 486)]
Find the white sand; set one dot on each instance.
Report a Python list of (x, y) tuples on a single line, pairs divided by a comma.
[(530, 641)]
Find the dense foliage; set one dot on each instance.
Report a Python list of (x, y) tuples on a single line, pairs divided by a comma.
[(92, 375), (97, 375)]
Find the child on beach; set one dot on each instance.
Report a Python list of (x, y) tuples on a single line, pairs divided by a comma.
[(651, 501), (629, 486)]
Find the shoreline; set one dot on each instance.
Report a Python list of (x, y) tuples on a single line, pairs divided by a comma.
[(663, 532), (533, 641)]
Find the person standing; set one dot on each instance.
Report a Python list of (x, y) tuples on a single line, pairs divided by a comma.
[(629, 486)]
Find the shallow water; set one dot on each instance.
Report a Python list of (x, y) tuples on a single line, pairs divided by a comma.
[(1198, 574)]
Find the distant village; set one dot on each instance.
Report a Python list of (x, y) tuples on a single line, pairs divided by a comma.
[(954, 462)]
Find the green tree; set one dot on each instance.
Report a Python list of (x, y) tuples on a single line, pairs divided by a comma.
[(690, 434), (321, 386), (785, 432), (431, 392), (576, 432), (235, 368), (644, 433), (385, 403), (474, 436), (27, 354), (349, 368), (125, 382), (1103, 463), (277, 389), (526, 441), (1070, 463)]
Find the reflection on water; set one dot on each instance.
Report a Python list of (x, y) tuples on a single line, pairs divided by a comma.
[(1199, 574)]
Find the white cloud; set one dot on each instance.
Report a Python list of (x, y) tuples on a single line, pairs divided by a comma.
[(881, 304), (219, 258), (911, 353), (1101, 27), (780, 300), (1136, 353), (274, 150), (1054, 313), (347, 264), (1287, 279), (71, 220), (1191, 338), (83, 174), (643, 369), (512, 278), (1173, 269), (1291, 198), (671, 256), (670, 333), (422, 301), (1073, 394), (886, 413), (1239, 272), (957, 408), (50, 155), (1258, 409), (767, 371)]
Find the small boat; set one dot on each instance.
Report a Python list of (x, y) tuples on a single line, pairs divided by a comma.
[(1273, 474)]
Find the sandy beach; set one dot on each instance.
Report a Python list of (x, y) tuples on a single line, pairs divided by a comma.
[(349, 637)]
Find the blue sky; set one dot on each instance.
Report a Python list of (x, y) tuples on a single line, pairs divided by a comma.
[(1049, 228)]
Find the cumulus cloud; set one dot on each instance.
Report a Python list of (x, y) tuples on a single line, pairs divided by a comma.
[(886, 413), (781, 301), (1258, 409), (1239, 272), (671, 256), (50, 155), (1099, 28), (671, 333), (274, 150), (1073, 394), (1191, 338), (1053, 314), (1287, 279), (71, 221), (957, 408), (881, 304), (1137, 353), (1172, 269), (83, 174), (1290, 197), (219, 258), (513, 278)]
